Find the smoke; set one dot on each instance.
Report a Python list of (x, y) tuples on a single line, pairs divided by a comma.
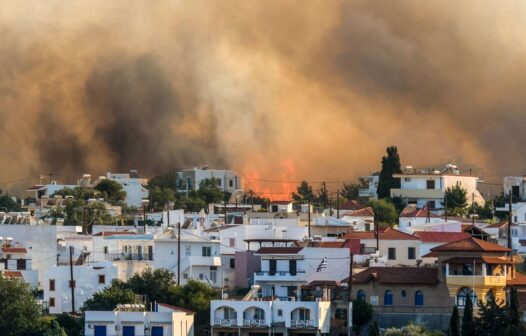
[(320, 86)]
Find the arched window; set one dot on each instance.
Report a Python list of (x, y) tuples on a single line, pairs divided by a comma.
[(403, 293), (462, 295), (388, 298), (419, 298), (301, 314), (361, 295)]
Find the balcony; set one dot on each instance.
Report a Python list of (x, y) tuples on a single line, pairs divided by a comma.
[(129, 256), (204, 261), (302, 324), (476, 280), (279, 276), (225, 322), (255, 323), (418, 193)]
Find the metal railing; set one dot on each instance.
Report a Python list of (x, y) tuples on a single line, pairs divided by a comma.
[(254, 323), (279, 273), (129, 256), (225, 322), (302, 323)]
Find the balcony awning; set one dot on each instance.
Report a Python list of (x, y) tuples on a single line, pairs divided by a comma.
[(479, 260)]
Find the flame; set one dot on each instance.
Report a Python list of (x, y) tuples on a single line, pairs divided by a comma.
[(280, 186)]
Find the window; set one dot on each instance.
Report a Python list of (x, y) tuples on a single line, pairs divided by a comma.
[(419, 298), (467, 269), (21, 264), (280, 312), (388, 298), (292, 267), (232, 262), (230, 183), (340, 314), (52, 285), (367, 227), (102, 279), (207, 251), (213, 273), (462, 295), (232, 242), (52, 302), (188, 250), (157, 331), (105, 249), (430, 184), (229, 313), (185, 275), (407, 179), (403, 293), (391, 254), (361, 295), (100, 330), (201, 276), (303, 314), (514, 219), (411, 253), (128, 331), (272, 267)]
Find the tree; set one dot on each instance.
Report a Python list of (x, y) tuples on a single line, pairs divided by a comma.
[(20, 314), (160, 197), (108, 299), (323, 196), (374, 330), (210, 192), (350, 191), (492, 318), (155, 285), (111, 191), (456, 200), (72, 325), (304, 194), (77, 192), (8, 203), (514, 312), (454, 327), (384, 211), (362, 313), (390, 165), (51, 327), (168, 180), (468, 324)]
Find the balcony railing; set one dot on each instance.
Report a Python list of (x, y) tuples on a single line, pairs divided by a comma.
[(254, 323), (225, 322), (129, 256), (302, 323), (279, 273)]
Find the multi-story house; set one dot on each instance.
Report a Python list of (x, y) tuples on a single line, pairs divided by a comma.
[(87, 280), (263, 317), (516, 185), (15, 262), (431, 239), (427, 188), (133, 185), (135, 320), (372, 185), (361, 220), (191, 179), (200, 255)]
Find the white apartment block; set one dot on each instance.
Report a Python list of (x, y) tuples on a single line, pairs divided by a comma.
[(134, 186), (16, 263), (190, 179), (134, 320), (88, 280)]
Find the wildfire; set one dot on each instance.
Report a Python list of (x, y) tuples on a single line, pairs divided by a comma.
[(279, 186)]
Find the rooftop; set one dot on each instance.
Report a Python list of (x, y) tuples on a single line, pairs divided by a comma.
[(398, 275), (387, 234), (279, 250), (412, 211), (440, 237), (471, 244)]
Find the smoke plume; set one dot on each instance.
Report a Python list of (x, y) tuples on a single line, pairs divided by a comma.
[(320, 87)]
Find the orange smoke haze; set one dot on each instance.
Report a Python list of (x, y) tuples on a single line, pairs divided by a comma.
[(279, 90), (280, 187)]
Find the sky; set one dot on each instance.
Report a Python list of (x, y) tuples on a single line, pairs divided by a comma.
[(281, 90)]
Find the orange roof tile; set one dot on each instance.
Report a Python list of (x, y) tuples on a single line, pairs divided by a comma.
[(14, 250), (12, 274), (365, 212), (388, 234), (440, 237), (113, 233), (413, 212), (471, 244)]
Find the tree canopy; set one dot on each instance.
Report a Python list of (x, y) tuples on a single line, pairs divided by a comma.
[(390, 165), (111, 191), (456, 199), (385, 211), (350, 191), (362, 313), (304, 193), (8, 204)]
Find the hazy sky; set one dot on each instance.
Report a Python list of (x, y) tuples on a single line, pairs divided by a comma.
[(273, 89)]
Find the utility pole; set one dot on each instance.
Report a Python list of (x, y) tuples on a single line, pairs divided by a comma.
[(252, 200), (324, 195), (510, 222), (84, 224), (179, 253), (445, 207), (349, 292), (308, 218), (377, 234), (338, 203), (473, 209), (428, 214), (72, 280), (168, 213)]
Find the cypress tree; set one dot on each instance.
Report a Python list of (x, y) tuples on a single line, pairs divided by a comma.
[(454, 328), (468, 324), (374, 330), (390, 165), (513, 308)]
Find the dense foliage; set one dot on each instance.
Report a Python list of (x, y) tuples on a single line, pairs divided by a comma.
[(390, 165)]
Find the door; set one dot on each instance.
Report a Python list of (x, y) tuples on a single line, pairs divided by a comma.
[(128, 331), (150, 252), (272, 267), (100, 330), (157, 331), (292, 267)]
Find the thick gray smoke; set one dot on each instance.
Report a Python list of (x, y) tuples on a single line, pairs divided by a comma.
[(284, 89)]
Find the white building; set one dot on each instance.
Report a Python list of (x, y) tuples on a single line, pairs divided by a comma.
[(88, 280), (516, 185), (428, 187), (16, 263), (200, 255), (191, 179), (134, 320), (372, 186), (361, 220), (134, 186), (255, 317)]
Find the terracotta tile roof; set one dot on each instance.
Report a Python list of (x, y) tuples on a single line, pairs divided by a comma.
[(471, 244), (411, 211), (519, 280), (221, 227), (13, 274), (479, 260), (14, 250), (440, 237), (333, 244), (165, 305), (388, 234), (322, 283), (278, 250), (398, 275), (352, 205), (365, 212), (113, 233), (498, 225)]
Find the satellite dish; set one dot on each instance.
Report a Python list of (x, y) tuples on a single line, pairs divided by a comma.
[(225, 296)]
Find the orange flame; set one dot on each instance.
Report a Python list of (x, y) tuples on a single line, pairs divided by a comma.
[(278, 187)]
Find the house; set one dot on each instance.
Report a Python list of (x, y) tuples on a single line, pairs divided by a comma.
[(372, 185), (361, 219), (394, 246), (252, 316), (133, 185), (191, 179), (284, 206), (431, 239), (411, 216), (87, 280), (135, 320), (428, 187), (516, 185), (15, 262), (403, 294), (285, 269), (328, 226), (200, 255)]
